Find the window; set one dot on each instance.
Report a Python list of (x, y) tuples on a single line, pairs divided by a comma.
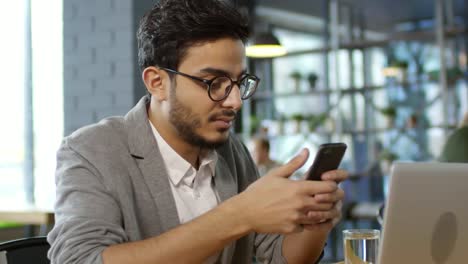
[(47, 108), (12, 69), (47, 44)]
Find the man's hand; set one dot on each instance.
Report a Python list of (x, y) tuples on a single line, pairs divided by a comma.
[(328, 219), (276, 204)]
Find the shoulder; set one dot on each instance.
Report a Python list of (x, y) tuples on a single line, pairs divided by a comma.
[(459, 135), (107, 135), (463, 130), (454, 149)]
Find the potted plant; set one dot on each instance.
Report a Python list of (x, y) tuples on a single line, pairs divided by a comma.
[(296, 77), (387, 157), (390, 112), (452, 75), (312, 79), (397, 69), (315, 121), (298, 118), (401, 64)]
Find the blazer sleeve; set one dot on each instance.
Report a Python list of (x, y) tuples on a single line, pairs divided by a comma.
[(267, 247), (87, 216)]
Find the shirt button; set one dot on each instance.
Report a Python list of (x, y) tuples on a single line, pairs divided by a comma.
[(196, 194)]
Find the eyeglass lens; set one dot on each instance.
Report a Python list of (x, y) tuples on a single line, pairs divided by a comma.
[(221, 87)]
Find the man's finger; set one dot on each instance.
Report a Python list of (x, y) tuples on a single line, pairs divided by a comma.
[(293, 165), (317, 187), (330, 197), (311, 204), (319, 216), (335, 175)]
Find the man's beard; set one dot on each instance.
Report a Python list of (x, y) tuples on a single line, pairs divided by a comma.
[(186, 122)]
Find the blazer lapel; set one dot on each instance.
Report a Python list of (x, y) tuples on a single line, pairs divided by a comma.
[(226, 185), (154, 171), (143, 147)]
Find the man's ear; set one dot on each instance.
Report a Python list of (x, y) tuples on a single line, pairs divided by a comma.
[(157, 82)]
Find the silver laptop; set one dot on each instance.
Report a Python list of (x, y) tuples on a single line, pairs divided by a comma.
[(426, 215)]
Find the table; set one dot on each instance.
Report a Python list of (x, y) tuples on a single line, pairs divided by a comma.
[(28, 215)]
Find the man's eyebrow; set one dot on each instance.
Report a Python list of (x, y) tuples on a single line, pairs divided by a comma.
[(219, 72)]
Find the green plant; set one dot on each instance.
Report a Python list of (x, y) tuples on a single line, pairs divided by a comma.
[(452, 74), (295, 75), (312, 79), (388, 155), (389, 111), (297, 117), (398, 64), (316, 121)]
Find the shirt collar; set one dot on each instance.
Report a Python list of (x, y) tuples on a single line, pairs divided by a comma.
[(209, 158), (177, 167)]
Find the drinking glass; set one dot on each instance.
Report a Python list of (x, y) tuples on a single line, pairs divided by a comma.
[(361, 246)]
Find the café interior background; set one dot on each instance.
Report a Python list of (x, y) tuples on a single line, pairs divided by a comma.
[(387, 77)]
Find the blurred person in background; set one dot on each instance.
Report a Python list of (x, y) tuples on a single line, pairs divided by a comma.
[(456, 146), (261, 156)]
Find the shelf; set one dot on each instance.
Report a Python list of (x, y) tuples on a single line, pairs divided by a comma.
[(399, 129), (319, 133), (399, 36), (363, 89), (389, 84), (372, 130), (370, 88), (268, 95)]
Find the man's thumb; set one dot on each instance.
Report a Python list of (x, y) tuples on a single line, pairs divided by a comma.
[(294, 164)]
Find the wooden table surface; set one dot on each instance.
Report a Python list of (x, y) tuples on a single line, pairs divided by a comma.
[(26, 214)]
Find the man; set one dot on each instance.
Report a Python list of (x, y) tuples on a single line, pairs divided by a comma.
[(261, 156), (168, 183), (456, 147)]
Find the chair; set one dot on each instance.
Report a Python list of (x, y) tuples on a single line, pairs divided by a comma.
[(26, 250)]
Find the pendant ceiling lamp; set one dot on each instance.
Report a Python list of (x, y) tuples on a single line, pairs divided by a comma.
[(265, 45)]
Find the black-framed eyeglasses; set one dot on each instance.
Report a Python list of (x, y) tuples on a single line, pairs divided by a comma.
[(220, 87)]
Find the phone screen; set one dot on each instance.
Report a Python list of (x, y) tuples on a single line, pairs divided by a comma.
[(328, 158)]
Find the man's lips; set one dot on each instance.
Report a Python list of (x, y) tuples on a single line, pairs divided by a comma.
[(224, 119), (223, 122)]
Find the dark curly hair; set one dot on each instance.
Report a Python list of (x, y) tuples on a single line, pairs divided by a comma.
[(172, 26)]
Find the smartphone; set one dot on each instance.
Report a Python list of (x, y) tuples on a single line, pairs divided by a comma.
[(328, 158)]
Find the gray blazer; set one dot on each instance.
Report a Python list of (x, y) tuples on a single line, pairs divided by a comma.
[(112, 187)]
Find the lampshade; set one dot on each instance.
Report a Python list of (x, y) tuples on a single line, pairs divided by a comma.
[(265, 45)]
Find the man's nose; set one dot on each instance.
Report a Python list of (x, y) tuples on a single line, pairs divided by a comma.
[(233, 100)]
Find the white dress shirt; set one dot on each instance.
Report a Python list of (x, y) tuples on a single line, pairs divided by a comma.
[(193, 190)]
